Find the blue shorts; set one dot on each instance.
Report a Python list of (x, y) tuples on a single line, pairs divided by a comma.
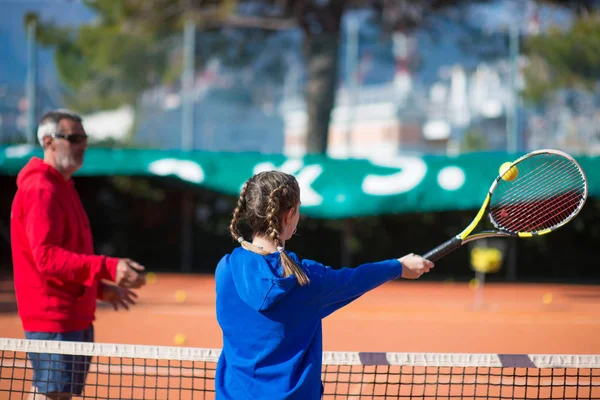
[(60, 373)]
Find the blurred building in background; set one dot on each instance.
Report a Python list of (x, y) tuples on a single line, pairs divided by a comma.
[(405, 94), (403, 115)]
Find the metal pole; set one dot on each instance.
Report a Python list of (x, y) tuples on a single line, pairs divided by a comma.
[(513, 116), (347, 233), (187, 110), (478, 301), (187, 233), (352, 62), (187, 141), (512, 132), (30, 84)]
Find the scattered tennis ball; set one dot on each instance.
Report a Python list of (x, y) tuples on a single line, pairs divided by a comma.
[(511, 174), (474, 284), (181, 296), (180, 339), (547, 298), (151, 278)]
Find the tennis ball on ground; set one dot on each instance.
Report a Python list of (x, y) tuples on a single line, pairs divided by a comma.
[(181, 296), (511, 174), (547, 299), (474, 284), (151, 278), (180, 339)]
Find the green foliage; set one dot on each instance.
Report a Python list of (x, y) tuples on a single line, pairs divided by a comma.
[(564, 59), (103, 65), (133, 45), (474, 140)]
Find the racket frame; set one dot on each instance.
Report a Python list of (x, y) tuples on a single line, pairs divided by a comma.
[(463, 237)]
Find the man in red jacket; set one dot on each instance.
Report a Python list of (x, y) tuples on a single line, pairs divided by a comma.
[(57, 276)]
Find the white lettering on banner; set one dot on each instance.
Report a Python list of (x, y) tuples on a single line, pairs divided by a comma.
[(412, 172), (451, 178), (184, 169), (304, 175), (18, 151)]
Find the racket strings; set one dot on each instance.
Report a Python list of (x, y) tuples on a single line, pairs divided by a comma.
[(542, 198), (537, 217), (528, 214), (569, 206), (543, 215), (519, 189), (524, 205), (526, 194), (525, 183), (533, 198), (530, 219)]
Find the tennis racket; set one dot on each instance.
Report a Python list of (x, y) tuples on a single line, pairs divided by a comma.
[(534, 195)]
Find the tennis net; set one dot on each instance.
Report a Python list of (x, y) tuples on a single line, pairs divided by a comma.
[(161, 372)]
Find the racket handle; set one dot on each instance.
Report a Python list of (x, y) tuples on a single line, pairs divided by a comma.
[(443, 249)]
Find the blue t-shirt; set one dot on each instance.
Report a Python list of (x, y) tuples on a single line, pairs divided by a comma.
[(272, 337)]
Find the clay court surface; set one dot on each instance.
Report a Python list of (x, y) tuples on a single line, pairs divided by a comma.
[(402, 316)]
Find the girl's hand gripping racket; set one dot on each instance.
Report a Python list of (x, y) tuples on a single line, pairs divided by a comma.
[(535, 195)]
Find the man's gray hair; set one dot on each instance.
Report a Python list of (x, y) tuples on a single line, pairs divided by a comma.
[(50, 120)]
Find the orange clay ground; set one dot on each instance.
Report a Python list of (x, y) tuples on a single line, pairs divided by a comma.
[(402, 316)]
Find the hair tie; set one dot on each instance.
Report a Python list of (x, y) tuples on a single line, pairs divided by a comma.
[(280, 249), (240, 239)]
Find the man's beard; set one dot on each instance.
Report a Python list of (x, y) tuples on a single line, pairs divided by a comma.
[(69, 163)]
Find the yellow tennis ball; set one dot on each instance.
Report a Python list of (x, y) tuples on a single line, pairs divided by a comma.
[(474, 284), (547, 299), (511, 174), (180, 339), (151, 278), (181, 296)]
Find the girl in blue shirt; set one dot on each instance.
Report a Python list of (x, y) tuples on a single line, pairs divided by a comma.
[(270, 303)]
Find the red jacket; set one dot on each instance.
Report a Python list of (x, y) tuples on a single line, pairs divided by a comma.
[(56, 274)]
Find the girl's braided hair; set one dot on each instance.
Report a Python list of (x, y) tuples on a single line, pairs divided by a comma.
[(264, 198)]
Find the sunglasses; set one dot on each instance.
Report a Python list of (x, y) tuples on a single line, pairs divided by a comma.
[(75, 138)]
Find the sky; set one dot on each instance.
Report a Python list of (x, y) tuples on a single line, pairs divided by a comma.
[(13, 37)]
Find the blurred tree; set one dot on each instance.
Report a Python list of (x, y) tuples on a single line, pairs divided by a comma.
[(102, 65), (564, 58), (474, 140), (129, 46)]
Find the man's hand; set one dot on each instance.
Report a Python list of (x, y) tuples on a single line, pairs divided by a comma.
[(130, 274), (118, 297), (414, 266)]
